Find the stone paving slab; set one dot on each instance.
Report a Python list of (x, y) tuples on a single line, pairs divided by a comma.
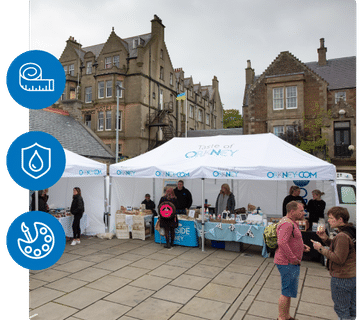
[(141, 280)]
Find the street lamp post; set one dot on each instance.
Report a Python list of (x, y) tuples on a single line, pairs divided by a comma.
[(118, 88)]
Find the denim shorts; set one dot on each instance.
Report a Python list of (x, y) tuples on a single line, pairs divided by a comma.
[(289, 279)]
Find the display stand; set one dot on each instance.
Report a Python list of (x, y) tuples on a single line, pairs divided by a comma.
[(185, 234)]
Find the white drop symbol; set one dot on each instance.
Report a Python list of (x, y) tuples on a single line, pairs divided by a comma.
[(36, 163)]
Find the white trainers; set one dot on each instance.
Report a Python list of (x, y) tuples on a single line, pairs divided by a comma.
[(78, 241), (73, 243)]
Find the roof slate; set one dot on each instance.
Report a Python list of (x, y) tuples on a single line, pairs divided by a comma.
[(339, 73), (214, 132), (72, 135)]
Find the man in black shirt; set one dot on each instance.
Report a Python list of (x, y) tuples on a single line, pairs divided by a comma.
[(150, 205), (184, 198)]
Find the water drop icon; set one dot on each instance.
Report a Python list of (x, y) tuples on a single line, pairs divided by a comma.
[(36, 160), (36, 164)]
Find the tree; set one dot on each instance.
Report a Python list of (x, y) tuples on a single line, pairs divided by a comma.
[(311, 138), (232, 119)]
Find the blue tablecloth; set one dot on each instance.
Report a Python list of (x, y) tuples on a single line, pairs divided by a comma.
[(185, 234), (244, 233)]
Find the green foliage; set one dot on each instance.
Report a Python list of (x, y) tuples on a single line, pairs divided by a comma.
[(312, 139), (232, 119)]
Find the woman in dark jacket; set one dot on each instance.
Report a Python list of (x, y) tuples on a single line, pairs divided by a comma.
[(171, 223), (77, 209)]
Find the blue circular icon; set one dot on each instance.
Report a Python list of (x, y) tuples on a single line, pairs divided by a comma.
[(36, 160), (36, 79), (36, 240), (301, 183)]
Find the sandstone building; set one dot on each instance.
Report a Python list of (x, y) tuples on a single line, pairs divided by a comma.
[(149, 113), (291, 94)]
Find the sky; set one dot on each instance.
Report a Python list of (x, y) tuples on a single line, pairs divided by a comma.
[(205, 38)]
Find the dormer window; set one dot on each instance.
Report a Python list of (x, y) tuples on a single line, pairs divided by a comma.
[(88, 67), (138, 41)]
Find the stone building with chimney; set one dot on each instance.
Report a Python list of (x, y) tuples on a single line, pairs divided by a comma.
[(291, 94), (139, 68)]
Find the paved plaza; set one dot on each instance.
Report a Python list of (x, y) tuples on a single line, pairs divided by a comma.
[(134, 279)]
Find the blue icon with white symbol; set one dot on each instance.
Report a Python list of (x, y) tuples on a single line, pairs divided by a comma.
[(36, 160), (36, 79), (36, 240), (30, 78)]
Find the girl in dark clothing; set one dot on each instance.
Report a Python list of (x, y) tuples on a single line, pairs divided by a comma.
[(294, 195), (169, 224), (77, 209), (316, 207)]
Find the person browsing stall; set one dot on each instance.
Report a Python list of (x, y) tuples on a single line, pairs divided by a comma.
[(225, 200), (171, 223), (77, 209), (288, 256), (341, 261), (294, 195), (184, 198)]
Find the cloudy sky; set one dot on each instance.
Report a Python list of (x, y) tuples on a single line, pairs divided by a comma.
[(205, 38)]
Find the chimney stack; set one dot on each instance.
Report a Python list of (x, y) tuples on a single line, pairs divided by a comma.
[(249, 73), (322, 53)]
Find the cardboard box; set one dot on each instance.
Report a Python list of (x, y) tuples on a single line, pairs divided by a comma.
[(233, 246)]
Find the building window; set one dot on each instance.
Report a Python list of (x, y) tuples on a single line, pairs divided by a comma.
[(88, 67), (278, 130), (340, 95), (65, 69), (108, 63), (71, 70), (342, 139), (88, 120), (291, 97), (200, 116), (171, 79), (119, 83), (88, 94), (161, 54), (161, 73), (100, 120), (101, 89), (278, 98), (135, 43), (108, 88), (208, 119), (191, 111), (108, 120), (120, 120), (116, 61), (161, 99)]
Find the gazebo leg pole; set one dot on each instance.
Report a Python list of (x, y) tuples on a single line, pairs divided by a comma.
[(202, 215)]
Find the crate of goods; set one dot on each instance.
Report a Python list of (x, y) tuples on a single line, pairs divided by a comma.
[(139, 229), (122, 229)]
